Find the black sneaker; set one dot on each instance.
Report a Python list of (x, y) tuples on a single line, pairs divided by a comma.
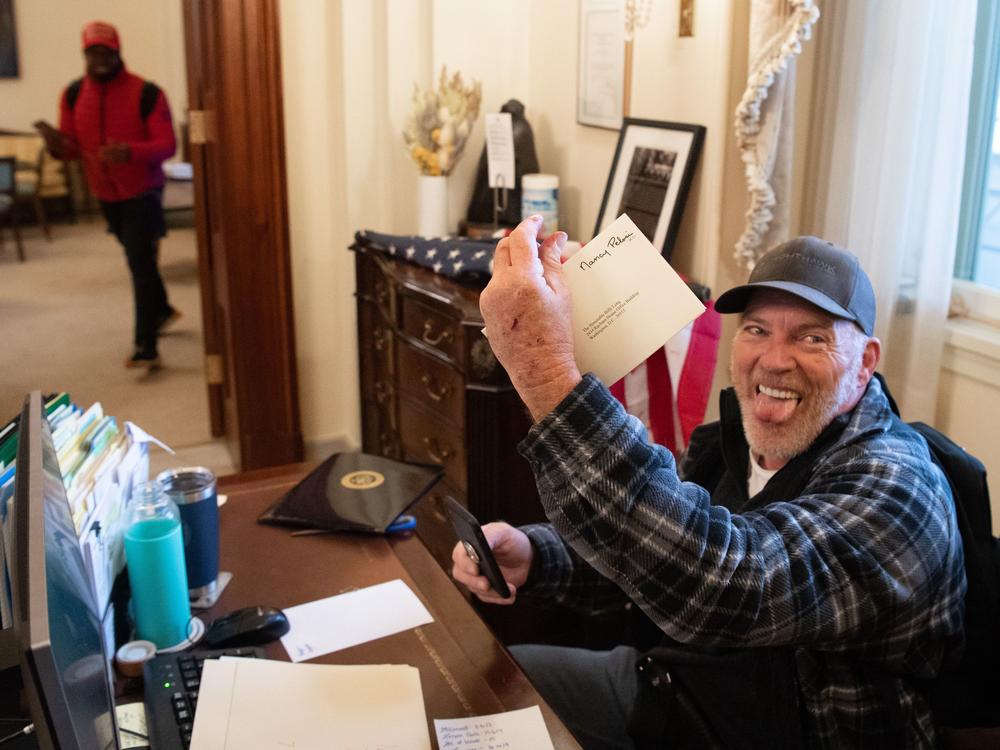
[(143, 361), (167, 322)]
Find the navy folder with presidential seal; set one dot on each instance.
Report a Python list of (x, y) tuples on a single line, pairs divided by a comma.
[(355, 492)]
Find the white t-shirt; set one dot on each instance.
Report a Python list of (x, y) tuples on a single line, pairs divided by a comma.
[(759, 476)]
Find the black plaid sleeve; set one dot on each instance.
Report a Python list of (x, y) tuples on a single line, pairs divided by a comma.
[(853, 554)]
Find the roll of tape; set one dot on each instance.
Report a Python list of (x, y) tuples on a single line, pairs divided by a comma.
[(132, 655)]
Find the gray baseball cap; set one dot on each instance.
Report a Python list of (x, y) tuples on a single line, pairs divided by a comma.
[(815, 270)]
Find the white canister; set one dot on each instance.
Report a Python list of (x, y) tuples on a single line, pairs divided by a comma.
[(540, 195)]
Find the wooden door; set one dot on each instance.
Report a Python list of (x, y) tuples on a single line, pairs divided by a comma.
[(237, 149)]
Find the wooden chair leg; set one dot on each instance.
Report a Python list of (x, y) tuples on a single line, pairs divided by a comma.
[(16, 227), (41, 219)]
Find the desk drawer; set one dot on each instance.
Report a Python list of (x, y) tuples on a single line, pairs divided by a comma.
[(378, 435), (432, 383), (374, 343), (427, 438), (431, 327), (373, 284)]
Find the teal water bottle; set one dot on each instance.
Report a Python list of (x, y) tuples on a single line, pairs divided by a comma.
[(154, 553)]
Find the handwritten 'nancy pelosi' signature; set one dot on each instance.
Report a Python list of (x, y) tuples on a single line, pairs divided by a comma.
[(612, 242)]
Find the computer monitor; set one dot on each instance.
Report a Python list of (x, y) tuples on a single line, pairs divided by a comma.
[(66, 673)]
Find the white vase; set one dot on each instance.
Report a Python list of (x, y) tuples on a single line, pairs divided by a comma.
[(432, 206)]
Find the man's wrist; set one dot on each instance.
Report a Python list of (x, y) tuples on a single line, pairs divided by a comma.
[(544, 396)]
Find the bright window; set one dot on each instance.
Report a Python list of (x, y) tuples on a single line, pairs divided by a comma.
[(978, 253)]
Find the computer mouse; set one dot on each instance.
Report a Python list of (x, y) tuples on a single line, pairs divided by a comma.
[(250, 626)]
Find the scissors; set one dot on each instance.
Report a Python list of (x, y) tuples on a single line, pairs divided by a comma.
[(403, 522)]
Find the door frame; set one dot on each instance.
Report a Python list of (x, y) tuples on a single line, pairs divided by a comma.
[(241, 209)]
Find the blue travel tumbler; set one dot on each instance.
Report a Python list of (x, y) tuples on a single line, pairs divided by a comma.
[(154, 553), (193, 489)]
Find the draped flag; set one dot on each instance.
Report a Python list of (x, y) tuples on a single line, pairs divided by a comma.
[(459, 258)]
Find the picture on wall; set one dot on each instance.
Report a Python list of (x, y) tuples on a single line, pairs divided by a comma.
[(650, 177), (601, 67), (8, 40)]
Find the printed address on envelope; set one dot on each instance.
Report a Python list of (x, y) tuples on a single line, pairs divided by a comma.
[(627, 301)]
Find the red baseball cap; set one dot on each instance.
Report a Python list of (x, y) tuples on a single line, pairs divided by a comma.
[(100, 33)]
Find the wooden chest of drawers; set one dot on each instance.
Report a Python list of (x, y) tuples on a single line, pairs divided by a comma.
[(432, 392)]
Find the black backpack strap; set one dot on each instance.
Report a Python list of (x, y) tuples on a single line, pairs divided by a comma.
[(73, 93), (147, 99), (885, 389)]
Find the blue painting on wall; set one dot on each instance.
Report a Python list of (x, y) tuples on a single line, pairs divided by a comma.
[(8, 40)]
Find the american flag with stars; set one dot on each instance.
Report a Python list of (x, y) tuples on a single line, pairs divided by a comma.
[(460, 258)]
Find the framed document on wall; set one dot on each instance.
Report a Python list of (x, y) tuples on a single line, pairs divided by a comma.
[(650, 177), (601, 72)]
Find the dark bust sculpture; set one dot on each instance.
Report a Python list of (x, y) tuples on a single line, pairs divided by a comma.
[(525, 162)]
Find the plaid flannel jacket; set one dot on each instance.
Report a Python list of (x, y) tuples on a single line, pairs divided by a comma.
[(862, 574)]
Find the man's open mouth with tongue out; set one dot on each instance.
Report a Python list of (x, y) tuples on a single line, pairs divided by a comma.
[(775, 404)]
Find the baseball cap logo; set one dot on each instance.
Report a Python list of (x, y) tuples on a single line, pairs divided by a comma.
[(814, 261)]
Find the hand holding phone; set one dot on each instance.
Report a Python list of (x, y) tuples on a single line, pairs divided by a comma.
[(470, 535)]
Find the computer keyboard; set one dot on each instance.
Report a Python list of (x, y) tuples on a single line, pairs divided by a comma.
[(171, 683)]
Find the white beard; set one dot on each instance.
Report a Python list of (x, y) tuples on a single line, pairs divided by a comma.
[(812, 415)]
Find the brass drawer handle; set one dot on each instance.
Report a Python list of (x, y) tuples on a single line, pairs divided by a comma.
[(437, 454), (446, 335), (379, 338), (433, 394), (382, 293), (382, 392), (387, 442)]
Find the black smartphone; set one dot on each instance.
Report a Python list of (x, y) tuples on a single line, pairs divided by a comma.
[(476, 547)]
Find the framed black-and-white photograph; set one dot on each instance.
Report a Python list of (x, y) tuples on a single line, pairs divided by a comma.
[(650, 178), (8, 40)]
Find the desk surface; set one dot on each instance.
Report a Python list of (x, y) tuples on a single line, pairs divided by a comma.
[(464, 670)]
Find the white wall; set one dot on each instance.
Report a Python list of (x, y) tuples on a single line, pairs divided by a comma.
[(968, 408), (349, 68), (48, 39), (319, 203)]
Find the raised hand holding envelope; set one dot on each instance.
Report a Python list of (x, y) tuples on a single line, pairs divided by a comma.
[(526, 307), (604, 311)]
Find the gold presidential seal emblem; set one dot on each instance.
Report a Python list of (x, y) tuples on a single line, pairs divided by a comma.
[(362, 480)]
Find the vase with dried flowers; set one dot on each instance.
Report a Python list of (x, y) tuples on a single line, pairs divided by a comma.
[(436, 131)]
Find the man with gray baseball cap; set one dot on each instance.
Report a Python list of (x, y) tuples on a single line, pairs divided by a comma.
[(802, 562)]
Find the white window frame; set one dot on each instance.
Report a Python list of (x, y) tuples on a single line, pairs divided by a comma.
[(973, 330), (982, 112)]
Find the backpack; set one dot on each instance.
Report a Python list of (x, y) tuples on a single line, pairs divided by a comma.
[(147, 99), (967, 693)]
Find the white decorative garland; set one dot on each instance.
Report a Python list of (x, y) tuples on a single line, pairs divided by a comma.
[(771, 60)]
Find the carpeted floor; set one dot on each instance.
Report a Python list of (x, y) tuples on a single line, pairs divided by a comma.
[(66, 322)]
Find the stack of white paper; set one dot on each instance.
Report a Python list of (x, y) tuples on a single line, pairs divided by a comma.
[(257, 703)]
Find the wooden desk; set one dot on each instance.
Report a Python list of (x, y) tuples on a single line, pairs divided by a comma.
[(464, 670)]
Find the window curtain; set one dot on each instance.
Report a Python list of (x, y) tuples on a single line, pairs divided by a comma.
[(765, 120), (886, 158)]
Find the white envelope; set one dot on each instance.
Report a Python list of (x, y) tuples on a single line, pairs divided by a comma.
[(627, 301)]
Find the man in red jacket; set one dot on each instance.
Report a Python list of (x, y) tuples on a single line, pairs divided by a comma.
[(119, 126)]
